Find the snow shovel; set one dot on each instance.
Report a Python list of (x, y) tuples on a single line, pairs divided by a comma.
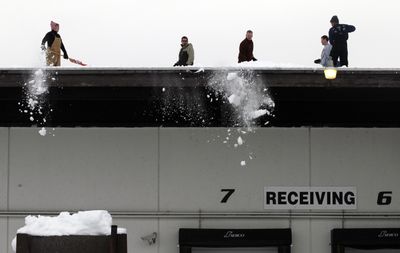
[(77, 62)]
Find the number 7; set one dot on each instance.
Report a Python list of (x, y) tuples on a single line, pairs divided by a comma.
[(228, 194)]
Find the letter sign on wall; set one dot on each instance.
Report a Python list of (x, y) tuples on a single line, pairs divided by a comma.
[(338, 198)]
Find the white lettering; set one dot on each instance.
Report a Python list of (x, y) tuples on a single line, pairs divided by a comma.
[(230, 234), (385, 234)]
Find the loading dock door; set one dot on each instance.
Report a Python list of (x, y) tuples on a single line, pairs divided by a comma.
[(234, 240), (235, 250), (357, 240)]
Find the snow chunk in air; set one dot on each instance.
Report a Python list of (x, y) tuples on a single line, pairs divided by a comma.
[(43, 131), (258, 113)]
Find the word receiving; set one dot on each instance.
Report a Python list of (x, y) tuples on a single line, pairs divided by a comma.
[(310, 198)]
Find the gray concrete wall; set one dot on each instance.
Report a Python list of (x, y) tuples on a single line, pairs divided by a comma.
[(167, 169)]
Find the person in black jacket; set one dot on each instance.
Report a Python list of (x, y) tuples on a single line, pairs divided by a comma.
[(54, 46), (246, 48), (338, 36)]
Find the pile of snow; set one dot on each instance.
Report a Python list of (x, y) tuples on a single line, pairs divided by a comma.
[(96, 222)]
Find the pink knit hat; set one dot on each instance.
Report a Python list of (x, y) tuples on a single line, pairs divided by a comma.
[(54, 26)]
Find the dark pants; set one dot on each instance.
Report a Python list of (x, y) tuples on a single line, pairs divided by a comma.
[(339, 55)]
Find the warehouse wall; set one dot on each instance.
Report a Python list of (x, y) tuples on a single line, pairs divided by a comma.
[(170, 169)]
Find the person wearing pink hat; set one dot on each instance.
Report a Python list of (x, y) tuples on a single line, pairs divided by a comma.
[(54, 46)]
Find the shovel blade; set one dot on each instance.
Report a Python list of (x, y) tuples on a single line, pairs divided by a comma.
[(77, 62)]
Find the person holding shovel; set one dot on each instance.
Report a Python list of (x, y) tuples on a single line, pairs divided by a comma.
[(54, 46)]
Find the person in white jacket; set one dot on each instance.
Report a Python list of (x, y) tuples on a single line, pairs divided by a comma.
[(326, 59)]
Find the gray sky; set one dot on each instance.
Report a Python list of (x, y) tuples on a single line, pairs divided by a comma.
[(132, 33)]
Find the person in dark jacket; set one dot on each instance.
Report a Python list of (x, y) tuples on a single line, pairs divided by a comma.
[(54, 46), (186, 54), (246, 48), (338, 36)]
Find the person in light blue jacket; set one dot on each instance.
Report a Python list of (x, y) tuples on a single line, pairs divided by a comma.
[(326, 59)]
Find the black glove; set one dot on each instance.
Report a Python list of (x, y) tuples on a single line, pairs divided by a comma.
[(254, 59), (317, 61), (66, 57)]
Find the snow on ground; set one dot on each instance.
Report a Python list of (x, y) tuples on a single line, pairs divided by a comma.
[(96, 222)]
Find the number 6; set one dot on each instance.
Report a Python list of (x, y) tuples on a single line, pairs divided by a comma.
[(384, 198)]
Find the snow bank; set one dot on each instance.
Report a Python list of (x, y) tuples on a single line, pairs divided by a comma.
[(96, 222)]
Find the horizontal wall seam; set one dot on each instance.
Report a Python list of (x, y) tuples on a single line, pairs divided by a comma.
[(236, 215)]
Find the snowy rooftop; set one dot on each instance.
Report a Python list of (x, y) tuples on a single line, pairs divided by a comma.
[(198, 97), (188, 76)]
